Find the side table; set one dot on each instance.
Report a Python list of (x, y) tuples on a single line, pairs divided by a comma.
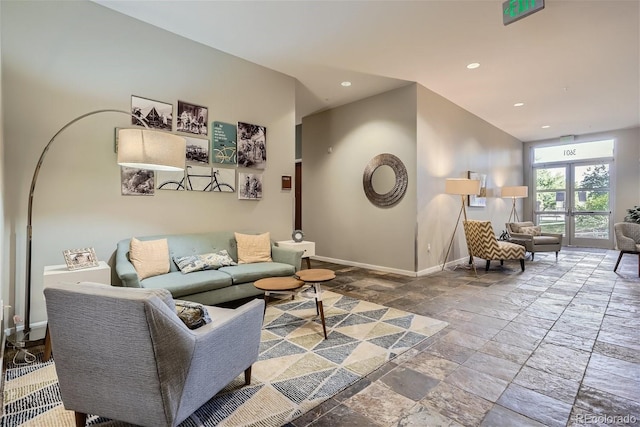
[(309, 248), (61, 274), (316, 277)]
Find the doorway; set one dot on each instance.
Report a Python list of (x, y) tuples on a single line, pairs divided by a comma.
[(574, 198)]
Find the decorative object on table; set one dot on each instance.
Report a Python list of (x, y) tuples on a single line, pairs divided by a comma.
[(224, 146), (249, 186), (395, 194), (462, 187), (310, 369), (80, 258), (197, 151), (633, 215), (516, 192), (137, 148), (478, 199), (155, 114), (137, 182), (297, 236), (192, 118), (252, 146)]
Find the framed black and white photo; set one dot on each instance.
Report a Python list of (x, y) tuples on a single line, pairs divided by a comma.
[(80, 258), (197, 151), (192, 119), (480, 199), (252, 146), (156, 114), (136, 182), (249, 186)]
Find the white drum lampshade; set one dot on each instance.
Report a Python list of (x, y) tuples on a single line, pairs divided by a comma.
[(149, 149)]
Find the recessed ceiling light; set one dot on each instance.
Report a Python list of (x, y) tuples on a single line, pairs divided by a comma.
[(518, 104), (546, 127), (473, 65), (346, 84)]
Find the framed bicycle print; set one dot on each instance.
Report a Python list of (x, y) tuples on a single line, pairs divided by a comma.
[(224, 144)]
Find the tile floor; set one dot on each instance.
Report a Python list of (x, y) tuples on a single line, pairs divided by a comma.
[(557, 345)]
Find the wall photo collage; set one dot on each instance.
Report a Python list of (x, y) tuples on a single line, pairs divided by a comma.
[(214, 152)]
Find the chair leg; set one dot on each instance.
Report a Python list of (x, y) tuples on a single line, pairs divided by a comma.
[(533, 255), (522, 264), (247, 376), (501, 262), (638, 265), (618, 262), (470, 259), (81, 419), (487, 267), (556, 255), (47, 346)]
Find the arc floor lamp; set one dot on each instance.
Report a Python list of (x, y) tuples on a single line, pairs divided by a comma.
[(516, 192), (462, 187), (137, 148)]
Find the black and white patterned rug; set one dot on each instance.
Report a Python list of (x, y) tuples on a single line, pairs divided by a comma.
[(297, 368)]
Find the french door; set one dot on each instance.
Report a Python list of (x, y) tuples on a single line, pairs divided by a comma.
[(574, 199)]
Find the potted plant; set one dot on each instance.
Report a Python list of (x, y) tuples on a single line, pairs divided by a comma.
[(633, 215)]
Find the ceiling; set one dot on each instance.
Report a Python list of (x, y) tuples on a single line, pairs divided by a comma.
[(575, 64)]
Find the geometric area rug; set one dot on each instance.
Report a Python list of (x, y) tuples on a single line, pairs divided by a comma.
[(297, 369)]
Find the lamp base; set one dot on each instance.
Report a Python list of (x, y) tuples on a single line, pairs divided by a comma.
[(34, 337)]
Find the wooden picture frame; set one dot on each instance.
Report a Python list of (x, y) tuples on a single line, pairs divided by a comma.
[(77, 259)]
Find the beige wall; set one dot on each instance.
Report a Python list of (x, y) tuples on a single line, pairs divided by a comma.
[(336, 213), (436, 140), (451, 141), (64, 59), (625, 180)]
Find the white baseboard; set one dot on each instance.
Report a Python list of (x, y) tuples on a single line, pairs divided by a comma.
[(420, 273)]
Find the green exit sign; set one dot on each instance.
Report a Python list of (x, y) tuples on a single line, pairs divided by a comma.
[(513, 10)]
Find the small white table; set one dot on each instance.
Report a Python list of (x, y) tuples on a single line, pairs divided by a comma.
[(61, 274), (309, 248)]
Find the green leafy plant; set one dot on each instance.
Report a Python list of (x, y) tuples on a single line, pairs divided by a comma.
[(633, 215)]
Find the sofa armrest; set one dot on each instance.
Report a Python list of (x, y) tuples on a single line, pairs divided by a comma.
[(625, 243), (287, 256), (124, 269)]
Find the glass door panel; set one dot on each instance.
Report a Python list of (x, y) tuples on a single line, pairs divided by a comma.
[(551, 198), (590, 210)]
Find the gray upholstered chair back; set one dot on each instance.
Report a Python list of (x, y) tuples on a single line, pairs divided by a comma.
[(124, 354)]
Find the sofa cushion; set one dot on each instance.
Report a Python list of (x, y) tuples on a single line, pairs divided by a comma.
[(150, 257), (212, 261), (253, 248), (244, 273), (532, 231), (186, 284)]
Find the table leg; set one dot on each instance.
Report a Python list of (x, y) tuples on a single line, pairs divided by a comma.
[(324, 326), (308, 263)]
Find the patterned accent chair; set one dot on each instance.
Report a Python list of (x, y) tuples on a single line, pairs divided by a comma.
[(627, 240), (124, 354), (533, 239), (482, 243)]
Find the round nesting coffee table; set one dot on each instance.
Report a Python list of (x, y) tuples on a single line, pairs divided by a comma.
[(287, 286), (316, 277)]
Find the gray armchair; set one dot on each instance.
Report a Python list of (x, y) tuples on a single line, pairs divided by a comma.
[(627, 240), (542, 242), (124, 354)]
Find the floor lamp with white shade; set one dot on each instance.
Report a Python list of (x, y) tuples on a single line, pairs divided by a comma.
[(516, 192), (462, 187), (137, 148)]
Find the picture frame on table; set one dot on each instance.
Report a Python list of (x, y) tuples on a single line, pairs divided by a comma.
[(77, 259)]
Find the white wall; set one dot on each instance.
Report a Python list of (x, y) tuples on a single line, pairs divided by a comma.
[(626, 179), (436, 140), (63, 59), (336, 213), (451, 141), (4, 276)]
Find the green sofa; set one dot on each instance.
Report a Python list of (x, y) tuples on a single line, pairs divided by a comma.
[(209, 287)]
